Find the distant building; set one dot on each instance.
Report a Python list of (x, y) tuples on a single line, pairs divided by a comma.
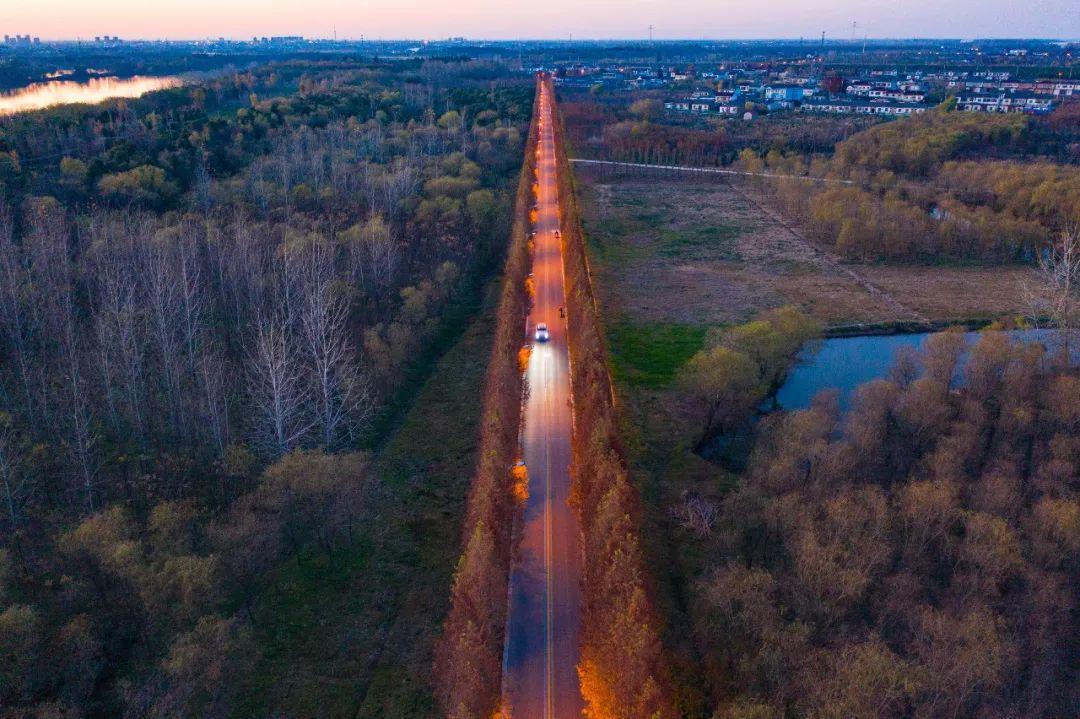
[(1004, 102), (1066, 88), (278, 40), (702, 106), (786, 93), (21, 40), (861, 107)]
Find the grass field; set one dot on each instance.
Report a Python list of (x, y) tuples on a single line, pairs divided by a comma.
[(649, 355), (354, 638)]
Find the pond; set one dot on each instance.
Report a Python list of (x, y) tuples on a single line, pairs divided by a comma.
[(843, 363), (64, 92)]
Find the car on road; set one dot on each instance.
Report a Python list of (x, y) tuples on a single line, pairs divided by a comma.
[(541, 332)]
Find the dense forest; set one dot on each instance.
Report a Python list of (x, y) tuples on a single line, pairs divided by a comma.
[(210, 300), (939, 186), (915, 555)]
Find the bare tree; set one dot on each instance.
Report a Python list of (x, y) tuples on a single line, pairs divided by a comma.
[(1058, 293), (696, 513), (340, 396), (164, 297), (276, 387), (192, 298), (16, 329), (119, 323), (374, 255), (215, 398), (55, 302), (241, 262)]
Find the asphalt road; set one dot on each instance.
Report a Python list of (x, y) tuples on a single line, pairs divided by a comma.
[(540, 670)]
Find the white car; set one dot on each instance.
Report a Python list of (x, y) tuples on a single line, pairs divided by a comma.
[(541, 332)]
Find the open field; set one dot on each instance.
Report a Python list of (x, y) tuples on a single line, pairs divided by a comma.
[(705, 253)]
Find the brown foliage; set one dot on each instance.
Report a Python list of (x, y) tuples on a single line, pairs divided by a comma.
[(914, 196), (918, 556), (622, 669)]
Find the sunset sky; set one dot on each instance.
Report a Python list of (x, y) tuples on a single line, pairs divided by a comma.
[(434, 19)]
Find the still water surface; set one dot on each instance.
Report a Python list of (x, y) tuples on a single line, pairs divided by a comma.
[(63, 92), (843, 363)]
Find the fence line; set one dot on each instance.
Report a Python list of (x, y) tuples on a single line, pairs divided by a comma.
[(709, 170)]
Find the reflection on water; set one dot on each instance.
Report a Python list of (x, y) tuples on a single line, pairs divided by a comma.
[(64, 92), (843, 363)]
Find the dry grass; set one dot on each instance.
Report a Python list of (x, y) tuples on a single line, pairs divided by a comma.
[(705, 253), (947, 292)]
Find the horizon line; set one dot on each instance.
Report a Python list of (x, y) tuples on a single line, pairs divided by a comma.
[(808, 39)]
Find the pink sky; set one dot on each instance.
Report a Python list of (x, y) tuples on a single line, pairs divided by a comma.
[(433, 19)]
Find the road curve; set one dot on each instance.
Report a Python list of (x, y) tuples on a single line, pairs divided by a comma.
[(540, 663)]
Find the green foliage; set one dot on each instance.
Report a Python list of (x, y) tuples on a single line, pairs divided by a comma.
[(919, 144), (740, 365), (73, 171), (727, 385), (201, 668), (455, 187), (145, 184), (450, 120), (482, 207), (919, 193), (650, 355), (647, 109)]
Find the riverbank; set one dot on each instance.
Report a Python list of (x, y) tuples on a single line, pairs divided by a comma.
[(39, 96), (904, 327)]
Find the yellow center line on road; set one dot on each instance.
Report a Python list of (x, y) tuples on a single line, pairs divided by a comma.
[(548, 540), (550, 583)]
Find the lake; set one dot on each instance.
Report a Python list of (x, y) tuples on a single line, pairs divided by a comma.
[(65, 92), (843, 363)]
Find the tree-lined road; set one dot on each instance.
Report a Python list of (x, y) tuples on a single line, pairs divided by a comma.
[(540, 672)]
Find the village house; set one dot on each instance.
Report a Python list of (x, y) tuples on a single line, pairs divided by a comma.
[(1004, 102), (861, 107)]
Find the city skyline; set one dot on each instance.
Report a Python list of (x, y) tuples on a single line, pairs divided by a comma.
[(556, 20)]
